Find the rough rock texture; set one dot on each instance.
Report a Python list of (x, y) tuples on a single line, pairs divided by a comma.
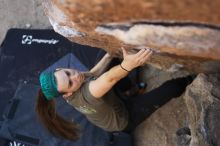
[(195, 123), (160, 129), (202, 99), (110, 24)]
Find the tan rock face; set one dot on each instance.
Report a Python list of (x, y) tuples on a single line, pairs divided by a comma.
[(202, 100), (178, 43), (190, 120), (161, 127)]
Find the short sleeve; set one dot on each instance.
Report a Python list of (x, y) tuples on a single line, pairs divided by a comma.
[(89, 97)]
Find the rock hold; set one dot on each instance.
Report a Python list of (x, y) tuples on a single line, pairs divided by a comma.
[(110, 25)]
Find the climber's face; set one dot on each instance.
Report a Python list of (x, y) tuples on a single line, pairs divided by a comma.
[(68, 80)]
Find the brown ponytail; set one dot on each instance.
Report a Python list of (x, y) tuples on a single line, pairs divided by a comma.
[(52, 121)]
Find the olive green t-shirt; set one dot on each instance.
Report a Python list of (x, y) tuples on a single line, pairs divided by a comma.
[(107, 112)]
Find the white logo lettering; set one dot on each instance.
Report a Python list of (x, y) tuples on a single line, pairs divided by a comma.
[(14, 143), (28, 39)]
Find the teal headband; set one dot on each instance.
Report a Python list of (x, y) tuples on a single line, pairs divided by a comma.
[(48, 85)]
